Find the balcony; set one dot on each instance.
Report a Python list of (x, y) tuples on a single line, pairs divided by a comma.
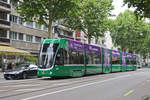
[(4, 41), (4, 24), (5, 6)]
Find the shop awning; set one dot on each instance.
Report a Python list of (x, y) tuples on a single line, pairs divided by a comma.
[(6, 50)]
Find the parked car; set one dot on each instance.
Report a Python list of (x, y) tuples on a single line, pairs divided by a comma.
[(22, 71)]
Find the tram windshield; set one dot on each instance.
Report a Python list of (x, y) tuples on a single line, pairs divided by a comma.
[(47, 54)]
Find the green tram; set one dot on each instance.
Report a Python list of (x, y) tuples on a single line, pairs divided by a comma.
[(70, 58)]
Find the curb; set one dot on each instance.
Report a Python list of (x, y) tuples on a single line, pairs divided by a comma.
[(1, 75)]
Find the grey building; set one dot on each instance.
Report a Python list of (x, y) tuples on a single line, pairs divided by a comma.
[(24, 35), (5, 9), (27, 36)]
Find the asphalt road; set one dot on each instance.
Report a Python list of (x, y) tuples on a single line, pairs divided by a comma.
[(132, 85)]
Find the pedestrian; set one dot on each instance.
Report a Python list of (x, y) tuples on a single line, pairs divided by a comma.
[(9, 67), (12, 66)]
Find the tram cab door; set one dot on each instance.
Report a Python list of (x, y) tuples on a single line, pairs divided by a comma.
[(60, 57)]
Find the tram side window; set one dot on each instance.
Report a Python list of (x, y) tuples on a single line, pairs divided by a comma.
[(45, 46), (60, 57), (115, 59), (66, 57), (93, 58), (76, 57), (45, 60)]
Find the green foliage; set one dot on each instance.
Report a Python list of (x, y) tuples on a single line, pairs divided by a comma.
[(91, 17), (32, 59), (142, 7), (46, 11), (146, 98), (88, 15), (131, 34)]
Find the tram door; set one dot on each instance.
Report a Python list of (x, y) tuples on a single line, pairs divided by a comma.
[(106, 61), (123, 67)]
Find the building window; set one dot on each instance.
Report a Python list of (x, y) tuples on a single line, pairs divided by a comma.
[(3, 15), (13, 35), (57, 30), (37, 39), (45, 28), (14, 4), (20, 36), (68, 33), (4, 0), (37, 26), (13, 19), (29, 24), (103, 42), (29, 38), (20, 20), (3, 33)]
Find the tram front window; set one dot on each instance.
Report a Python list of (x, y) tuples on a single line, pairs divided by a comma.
[(47, 55)]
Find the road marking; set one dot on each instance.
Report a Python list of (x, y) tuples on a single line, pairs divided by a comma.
[(25, 80), (68, 89), (138, 73), (143, 83), (35, 89), (66, 83), (26, 90), (22, 85), (13, 81), (128, 93), (148, 80), (2, 90)]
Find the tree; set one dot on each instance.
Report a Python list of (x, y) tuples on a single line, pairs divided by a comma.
[(131, 34), (91, 18), (46, 11), (141, 7)]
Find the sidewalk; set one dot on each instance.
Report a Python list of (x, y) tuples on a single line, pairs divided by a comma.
[(1, 74)]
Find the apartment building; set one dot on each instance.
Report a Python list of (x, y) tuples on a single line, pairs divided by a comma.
[(5, 9), (25, 35)]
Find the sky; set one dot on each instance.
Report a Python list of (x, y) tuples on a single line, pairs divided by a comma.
[(118, 7)]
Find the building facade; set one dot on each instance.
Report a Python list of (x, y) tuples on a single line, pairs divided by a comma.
[(5, 10), (27, 36), (24, 35)]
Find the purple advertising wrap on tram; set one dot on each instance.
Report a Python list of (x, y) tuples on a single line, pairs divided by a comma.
[(115, 52), (106, 57), (93, 48), (123, 59), (128, 55), (134, 56), (75, 45)]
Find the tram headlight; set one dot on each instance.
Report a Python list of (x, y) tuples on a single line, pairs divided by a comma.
[(50, 73)]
